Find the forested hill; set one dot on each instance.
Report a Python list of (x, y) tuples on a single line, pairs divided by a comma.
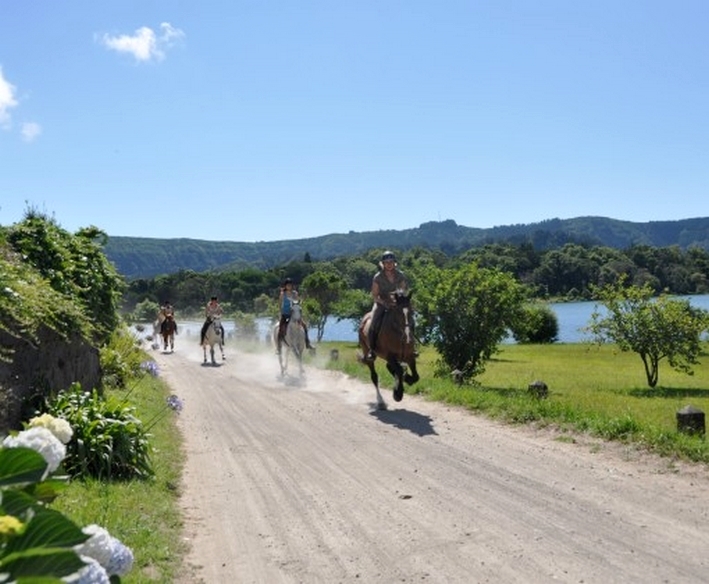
[(142, 257)]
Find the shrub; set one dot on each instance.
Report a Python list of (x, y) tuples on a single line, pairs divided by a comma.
[(109, 442), (537, 323)]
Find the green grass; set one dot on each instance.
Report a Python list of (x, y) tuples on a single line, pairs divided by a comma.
[(595, 390), (144, 515)]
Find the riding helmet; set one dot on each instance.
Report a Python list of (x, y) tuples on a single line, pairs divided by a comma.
[(388, 255), (287, 281)]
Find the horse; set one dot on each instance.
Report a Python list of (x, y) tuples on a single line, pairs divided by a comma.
[(213, 336), (168, 330), (293, 339), (157, 329), (395, 344)]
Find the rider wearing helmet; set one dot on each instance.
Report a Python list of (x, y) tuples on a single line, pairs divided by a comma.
[(211, 311), (386, 281), (285, 299)]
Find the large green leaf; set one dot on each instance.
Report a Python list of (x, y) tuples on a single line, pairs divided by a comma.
[(20, 466), (15, 502), (41, 562), (48, 528)]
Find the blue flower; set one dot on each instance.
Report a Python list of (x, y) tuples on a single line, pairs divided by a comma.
[(175, 403), (151, 367)]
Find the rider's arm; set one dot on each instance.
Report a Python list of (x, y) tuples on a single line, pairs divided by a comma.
[(376, 293), (375, 290)]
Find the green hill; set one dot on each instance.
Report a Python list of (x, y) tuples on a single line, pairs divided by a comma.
[(143, 257)]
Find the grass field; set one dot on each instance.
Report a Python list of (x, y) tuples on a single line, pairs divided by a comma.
[(592, 389)]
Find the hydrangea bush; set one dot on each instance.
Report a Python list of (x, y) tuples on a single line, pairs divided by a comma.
[(38, 543)]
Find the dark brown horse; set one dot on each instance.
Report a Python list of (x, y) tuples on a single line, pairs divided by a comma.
[(395, 344), (168, 329)]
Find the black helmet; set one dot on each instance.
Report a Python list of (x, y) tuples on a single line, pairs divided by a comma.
[(388, 255), (287, 281)]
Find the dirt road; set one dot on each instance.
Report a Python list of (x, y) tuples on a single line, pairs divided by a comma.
[(306, 483)]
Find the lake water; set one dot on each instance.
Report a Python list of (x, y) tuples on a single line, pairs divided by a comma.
[(572, 317)]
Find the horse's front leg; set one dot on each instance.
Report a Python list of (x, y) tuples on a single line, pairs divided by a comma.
[(204, 348), (398, 372), (381, 404), (412, 377)]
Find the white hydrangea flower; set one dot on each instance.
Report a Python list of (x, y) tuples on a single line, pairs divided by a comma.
[(41, 440), (99, 546), (57, 426), (115, 557), (92, 573), (121, 559)]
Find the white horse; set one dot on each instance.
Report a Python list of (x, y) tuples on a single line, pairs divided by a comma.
[(212, 337), (294, 340), (157, 329)]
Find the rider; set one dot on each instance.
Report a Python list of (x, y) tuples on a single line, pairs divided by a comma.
[(166, 310), (386, 281), (211, 311), (285, 299)]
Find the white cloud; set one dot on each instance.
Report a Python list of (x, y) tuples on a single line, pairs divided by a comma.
[(7, 100), (30, 131), (145, 44)]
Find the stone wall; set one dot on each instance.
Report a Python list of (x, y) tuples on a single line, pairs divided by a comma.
[(29, 372)]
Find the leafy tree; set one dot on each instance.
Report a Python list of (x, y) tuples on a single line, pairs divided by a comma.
[(352, 305), (654, 328), (566, 271), (537, 323), (146, 311), (466, 314), (322, 290)]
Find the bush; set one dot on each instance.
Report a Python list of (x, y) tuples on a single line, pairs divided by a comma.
[(109, 442), (537, 323)]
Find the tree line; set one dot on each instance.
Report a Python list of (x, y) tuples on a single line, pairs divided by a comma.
[(569, 272)]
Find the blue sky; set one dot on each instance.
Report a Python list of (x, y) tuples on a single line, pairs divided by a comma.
[(261, 121)]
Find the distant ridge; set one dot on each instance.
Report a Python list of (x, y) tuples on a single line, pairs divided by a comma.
[(143, 257)]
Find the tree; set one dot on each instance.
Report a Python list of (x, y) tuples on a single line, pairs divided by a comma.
[(537, 323), (352, 305), (654, 328), (466, 314), (322, 291)]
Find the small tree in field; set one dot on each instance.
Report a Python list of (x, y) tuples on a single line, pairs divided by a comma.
[(654, 328), (466, 313), (322, 291), (537, 323)]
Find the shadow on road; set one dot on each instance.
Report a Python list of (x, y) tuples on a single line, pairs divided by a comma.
[(406, 420)]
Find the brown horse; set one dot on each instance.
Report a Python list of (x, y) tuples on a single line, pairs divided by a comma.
[(168, 329), (395, 344)]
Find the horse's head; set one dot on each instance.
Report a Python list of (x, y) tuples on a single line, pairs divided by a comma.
[(402, 298), (296, 311)]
